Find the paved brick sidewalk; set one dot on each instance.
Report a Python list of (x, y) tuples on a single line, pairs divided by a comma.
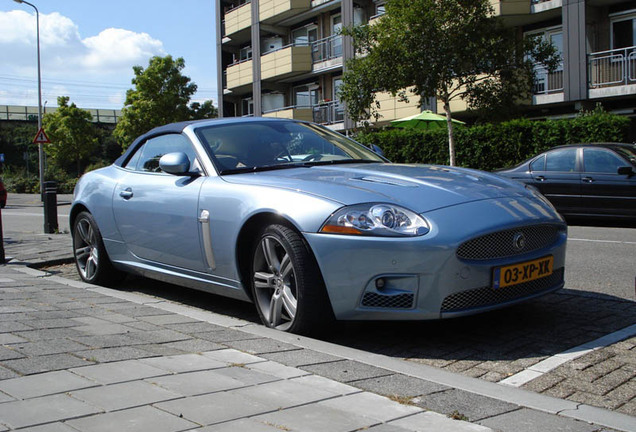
[(77, 359)]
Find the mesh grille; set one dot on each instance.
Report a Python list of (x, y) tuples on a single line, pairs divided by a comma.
[(487, 296), (502, 244), (399, 301)]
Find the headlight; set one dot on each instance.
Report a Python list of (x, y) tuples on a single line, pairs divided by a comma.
[(375, 220)]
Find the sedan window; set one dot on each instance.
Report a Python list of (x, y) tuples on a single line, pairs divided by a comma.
[(563, 160), (601, 161), (538, 164)]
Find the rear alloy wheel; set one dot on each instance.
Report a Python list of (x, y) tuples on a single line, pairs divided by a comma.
[(91, 259), (286, 283)]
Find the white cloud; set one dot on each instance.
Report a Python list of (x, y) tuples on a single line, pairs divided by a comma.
[(67, 57), (120, 48)]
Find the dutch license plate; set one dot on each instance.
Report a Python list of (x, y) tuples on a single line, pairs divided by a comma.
[(522, 272)]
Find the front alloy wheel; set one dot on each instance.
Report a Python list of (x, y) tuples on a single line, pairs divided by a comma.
[(275, 283), (286, 283)]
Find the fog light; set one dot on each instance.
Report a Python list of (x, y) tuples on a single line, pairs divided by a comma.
[(379, 283)]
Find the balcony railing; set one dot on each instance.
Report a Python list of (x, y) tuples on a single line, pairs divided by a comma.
[(546, 82), (329, 113), (326, 49), (612, 68)]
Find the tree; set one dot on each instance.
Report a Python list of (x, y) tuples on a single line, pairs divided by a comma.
[(203, 111), (161, 95), (71, 133), (448, 49)]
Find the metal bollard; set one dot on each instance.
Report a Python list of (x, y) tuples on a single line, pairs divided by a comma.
[(50, 207), (2, 257)]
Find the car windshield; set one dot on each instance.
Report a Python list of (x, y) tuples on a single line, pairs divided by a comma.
[(627, 152), (266, 145)]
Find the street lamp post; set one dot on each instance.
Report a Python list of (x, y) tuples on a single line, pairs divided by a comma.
[(40, 148)]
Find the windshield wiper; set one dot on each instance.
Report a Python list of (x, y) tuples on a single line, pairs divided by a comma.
[(288, 165), (341, 162), (242, 170)]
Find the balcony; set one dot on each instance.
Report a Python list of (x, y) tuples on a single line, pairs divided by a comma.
[(548, 86), (237, 19), (286, 62), (392, 108), (328, 113), (275, 10), (612, 73), (292, 112), (510, 7), (327, 52), (539, 6), (239, 75)]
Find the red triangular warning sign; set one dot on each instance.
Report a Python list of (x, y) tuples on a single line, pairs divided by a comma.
[(41, 138)]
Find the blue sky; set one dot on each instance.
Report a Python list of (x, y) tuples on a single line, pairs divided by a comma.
[(88, 48)]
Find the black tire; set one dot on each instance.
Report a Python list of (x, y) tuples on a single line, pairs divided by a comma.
[(286, 284), (91, 259)]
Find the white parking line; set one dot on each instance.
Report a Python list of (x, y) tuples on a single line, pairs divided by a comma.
[(551, 363), (5, 214), (602, 241)]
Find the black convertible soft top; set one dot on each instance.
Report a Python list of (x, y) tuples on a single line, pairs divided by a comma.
[(180, 126), (160, 130)]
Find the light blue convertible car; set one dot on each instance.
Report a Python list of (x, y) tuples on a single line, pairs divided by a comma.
[(312, 226)]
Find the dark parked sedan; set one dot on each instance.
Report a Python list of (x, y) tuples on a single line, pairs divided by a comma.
[(596, 180)]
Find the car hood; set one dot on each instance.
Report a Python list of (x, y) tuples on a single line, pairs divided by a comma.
[(421, 188)]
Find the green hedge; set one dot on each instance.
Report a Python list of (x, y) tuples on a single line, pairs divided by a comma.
[(493, 146)]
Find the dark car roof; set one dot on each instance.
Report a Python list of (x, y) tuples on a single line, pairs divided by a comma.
[(609, 145), (599, 144), (180, 126)]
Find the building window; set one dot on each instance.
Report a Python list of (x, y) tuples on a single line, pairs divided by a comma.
[(245, 53), (624, 32), (306, 95), (247, 107), (305, 35)]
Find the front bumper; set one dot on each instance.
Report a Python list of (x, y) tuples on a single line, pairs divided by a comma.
[(422, 277)]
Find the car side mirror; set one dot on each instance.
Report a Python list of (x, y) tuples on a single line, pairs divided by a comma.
[(377, 150), (628, 171), (176, 163)]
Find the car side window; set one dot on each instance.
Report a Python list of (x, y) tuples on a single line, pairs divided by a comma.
[(601, 161), (146, 158), (538, 164), (563, 160)]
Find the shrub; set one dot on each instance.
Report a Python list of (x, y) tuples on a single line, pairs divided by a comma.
[(493, 146)]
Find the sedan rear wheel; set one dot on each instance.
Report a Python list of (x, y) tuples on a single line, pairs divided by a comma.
[(91, 259), (286, 283)]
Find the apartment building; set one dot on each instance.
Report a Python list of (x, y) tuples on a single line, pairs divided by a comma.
[(286, 58), (597, 42)]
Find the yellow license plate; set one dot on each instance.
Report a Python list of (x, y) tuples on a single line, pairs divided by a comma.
[(522, 272)]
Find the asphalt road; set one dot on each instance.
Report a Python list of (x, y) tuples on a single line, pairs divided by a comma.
[(602, 260), (599, 259)]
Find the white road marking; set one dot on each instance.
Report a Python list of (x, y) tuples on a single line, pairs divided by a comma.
[(551, 363), (602, 241), (29, 214)]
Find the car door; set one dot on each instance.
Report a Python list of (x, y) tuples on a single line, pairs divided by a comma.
[(558, 179), (156, 212), (603, 190)]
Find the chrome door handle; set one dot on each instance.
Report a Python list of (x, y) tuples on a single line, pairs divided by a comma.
[(540, 178), (126, 194), (588, 179)]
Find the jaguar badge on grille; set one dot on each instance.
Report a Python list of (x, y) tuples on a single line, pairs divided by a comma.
[(519, 241)]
